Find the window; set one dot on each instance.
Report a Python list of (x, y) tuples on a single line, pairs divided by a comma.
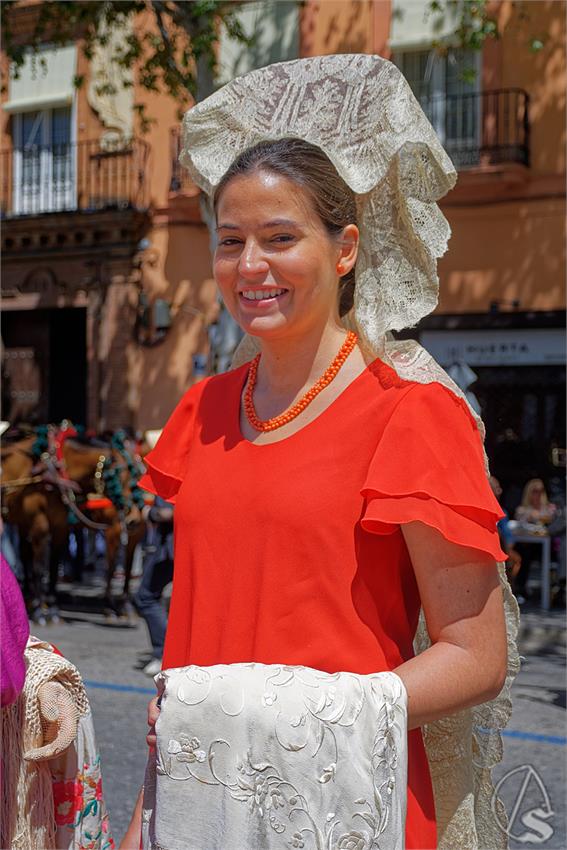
[(448, 89), (41, 108), (44, 166)]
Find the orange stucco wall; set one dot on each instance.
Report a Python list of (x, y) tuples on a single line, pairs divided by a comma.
[(182, 275), (344, 26), (542, 74), (162, 110), (508, 227), (504, 251)]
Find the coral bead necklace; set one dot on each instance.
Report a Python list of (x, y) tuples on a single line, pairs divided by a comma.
[(285, 417)]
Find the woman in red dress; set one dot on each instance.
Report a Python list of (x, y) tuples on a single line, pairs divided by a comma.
[(323, 495)]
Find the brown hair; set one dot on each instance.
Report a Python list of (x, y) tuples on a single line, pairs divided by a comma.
[(307, 166)]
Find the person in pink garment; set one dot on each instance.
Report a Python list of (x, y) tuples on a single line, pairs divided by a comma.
[(15, 630)]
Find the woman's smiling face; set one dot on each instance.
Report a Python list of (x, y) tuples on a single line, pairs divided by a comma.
[(275, 264)]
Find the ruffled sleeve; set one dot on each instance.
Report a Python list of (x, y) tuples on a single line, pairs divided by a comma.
[(166, 464), (429, 466)]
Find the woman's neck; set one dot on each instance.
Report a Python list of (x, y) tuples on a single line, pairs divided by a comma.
[(287, 365)]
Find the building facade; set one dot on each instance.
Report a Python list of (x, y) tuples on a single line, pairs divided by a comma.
[(107, 292), (501, 309)]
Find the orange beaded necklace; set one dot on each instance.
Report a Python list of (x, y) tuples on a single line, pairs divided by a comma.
[(299, 407)]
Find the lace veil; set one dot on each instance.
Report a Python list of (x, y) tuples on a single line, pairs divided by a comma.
[(361, 112)]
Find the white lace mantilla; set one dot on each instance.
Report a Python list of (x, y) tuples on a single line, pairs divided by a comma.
[(280, 757), (362, 113)]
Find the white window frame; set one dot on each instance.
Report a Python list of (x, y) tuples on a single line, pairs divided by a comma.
[(48, 202), (475, 139), (439, 96)]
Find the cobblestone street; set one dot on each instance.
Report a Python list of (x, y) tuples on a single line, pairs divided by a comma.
[(110, 659)]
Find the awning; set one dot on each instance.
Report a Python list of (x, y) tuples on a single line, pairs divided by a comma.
[(414, 26), (44, 86)]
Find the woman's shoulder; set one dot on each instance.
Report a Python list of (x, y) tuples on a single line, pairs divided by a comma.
[(420, 400), (217, 385), (167, 462), (221, 382)]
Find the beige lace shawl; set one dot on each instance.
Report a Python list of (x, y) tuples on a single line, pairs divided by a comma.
[(39, 726)]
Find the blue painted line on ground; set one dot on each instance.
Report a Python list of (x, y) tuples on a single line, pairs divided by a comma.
[(112, 686), (534, 736), (508, 733)]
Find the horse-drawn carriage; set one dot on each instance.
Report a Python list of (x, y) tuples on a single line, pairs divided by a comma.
[(56, 479)]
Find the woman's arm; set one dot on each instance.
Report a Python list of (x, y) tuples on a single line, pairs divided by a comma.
[(132, 837), (462, 601)]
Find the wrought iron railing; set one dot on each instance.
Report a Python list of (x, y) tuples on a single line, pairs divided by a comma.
[(479, 128), (86, 176), (482, 128)]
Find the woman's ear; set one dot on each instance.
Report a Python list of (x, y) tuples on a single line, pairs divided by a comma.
[(348, 249)]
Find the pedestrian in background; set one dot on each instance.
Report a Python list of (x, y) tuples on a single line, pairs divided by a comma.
[(158, 573)]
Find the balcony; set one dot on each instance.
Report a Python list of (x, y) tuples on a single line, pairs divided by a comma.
[(482, 128), (73, 177), (477, 129)]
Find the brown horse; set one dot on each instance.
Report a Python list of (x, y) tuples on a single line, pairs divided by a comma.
[(32, 506), (121, 527), (37, 500)]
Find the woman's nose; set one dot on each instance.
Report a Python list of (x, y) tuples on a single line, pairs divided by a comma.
[(252, 262)]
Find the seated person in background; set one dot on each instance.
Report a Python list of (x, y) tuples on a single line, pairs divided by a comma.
[(535, 509), (535, 506)]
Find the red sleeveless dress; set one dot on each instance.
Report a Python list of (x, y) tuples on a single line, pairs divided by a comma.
[(292, 552)]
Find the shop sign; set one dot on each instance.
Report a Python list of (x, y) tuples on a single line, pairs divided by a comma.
[(496, 347)]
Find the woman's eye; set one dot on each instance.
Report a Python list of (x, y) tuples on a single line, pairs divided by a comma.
[(229, 242), (283, 237)]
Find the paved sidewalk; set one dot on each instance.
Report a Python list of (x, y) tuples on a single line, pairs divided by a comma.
[(542, 631), (110, 658)]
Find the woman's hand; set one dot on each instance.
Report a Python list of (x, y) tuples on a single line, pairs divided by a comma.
[(153, 714)]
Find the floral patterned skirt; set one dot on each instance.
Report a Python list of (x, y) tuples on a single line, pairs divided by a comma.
[(270, 757), (81, 817)]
